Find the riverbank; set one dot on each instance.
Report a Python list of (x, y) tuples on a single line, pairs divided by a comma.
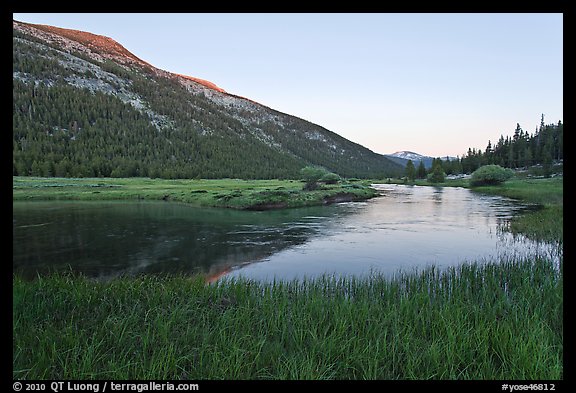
[(544, 222), (501, 320), (225, 193), (496, 321)]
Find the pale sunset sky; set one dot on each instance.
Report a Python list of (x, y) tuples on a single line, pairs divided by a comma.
[(432, 83)]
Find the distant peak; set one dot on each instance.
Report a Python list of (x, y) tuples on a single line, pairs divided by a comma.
[(410, 155), (407, 155), (406, 152)]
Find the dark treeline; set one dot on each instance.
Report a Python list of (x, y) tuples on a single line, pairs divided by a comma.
[(522, 150)]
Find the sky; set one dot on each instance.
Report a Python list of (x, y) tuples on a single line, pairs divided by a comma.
[(432, 83)]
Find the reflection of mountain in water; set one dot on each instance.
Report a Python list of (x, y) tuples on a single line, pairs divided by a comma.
[(107, 239)]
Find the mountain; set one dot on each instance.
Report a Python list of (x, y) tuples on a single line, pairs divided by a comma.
[(402, 157), (83, 105)]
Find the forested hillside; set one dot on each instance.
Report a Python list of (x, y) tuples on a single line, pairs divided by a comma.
[(521, 150), (84, 106)]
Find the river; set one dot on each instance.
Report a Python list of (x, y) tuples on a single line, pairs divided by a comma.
[(406, 228)]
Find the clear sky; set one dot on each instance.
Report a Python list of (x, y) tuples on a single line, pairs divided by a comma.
[(431, 83)]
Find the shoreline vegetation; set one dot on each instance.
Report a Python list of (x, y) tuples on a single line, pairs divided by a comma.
[(222, 193), (483, 320), (544, 221), (496, 321)]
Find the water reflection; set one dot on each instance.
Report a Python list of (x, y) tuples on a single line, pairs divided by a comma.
[(407, 227), (107, 239), (437, 195)]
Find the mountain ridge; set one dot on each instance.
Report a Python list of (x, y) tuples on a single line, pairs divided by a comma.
[(191, 126), (108, 44)]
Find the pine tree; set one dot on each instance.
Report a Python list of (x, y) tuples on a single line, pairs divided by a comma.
[(488, 154), (410, 171), (437, 174), (421, 174)]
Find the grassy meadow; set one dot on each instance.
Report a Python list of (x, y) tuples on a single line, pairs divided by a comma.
[(494, 320), (227, 193), (491, 321)]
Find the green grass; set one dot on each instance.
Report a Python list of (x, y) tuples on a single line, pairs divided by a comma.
[(542, 191), (545, 222), (545, 191), (477, 321), (228, 193), (501, 320)]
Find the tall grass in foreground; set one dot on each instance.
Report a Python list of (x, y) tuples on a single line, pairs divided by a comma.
[(477, 321)]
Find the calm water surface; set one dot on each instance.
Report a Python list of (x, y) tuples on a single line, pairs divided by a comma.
[(408, 227)]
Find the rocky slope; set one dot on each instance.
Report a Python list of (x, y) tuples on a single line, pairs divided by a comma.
[(74, 90)]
